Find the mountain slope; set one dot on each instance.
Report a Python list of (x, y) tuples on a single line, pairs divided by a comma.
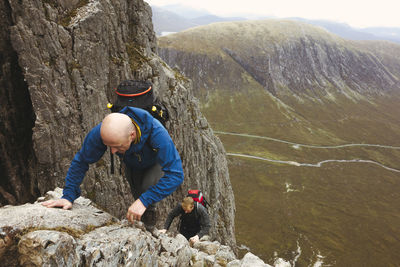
[(293, 72), (310, 122), (285, 57)]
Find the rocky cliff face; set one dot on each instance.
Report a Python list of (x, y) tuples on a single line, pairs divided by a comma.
[(32, 235), (284, 57), (60, 61)]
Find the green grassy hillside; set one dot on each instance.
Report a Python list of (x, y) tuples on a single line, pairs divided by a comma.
[(342, 211)]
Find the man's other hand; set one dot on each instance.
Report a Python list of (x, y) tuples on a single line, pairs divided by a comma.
[(162, 231), (135, 211), (194, 239), (58, 203)]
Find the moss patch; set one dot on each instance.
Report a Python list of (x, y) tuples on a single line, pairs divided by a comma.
[(136, 57), (66, 19)]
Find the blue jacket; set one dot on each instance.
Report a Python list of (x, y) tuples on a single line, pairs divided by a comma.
[(155, 145)]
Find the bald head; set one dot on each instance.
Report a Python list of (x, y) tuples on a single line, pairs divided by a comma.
[(117, 131)]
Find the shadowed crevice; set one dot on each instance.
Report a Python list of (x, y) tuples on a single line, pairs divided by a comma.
[(17, 119)]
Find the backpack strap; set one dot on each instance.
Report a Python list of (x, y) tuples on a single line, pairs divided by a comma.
[(138, 132), (195, 211), (112, 162), (206, 203)]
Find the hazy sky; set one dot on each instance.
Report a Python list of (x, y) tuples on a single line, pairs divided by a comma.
[(357, 13)]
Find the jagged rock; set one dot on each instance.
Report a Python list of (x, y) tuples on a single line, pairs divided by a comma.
[(184, 256), (166, 260), (252, 260), (44, 238), (173, 245), (207, 247), (279, 262), (224, 255), (119, 245), (234, 263), (47, 248), (199, 259), (34, 216)]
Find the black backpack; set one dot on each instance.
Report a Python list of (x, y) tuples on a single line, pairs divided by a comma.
[(139, 94)]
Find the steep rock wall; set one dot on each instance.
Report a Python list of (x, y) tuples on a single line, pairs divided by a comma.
[(61, 61)]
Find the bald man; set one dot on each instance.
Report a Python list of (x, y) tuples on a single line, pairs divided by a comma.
[(153, 165)]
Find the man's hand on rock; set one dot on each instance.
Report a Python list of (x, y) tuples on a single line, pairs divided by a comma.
[(162, 231), (194, 239), (135, 211), (58, 203)]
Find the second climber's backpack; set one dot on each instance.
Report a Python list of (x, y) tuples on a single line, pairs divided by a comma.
[(197, 196)]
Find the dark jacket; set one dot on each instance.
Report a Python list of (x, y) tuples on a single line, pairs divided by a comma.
[(197, 219), (155, 145)]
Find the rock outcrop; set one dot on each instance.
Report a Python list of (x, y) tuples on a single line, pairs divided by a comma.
[(33, 235), (60, 61)]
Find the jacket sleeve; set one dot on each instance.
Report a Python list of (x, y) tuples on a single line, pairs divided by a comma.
[(171, 216), (171, 164), (91, 151), (204, 221)]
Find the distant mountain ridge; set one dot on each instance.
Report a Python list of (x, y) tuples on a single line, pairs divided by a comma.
[(283, 56), (348, 32), (167, 21), (181, 18)]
